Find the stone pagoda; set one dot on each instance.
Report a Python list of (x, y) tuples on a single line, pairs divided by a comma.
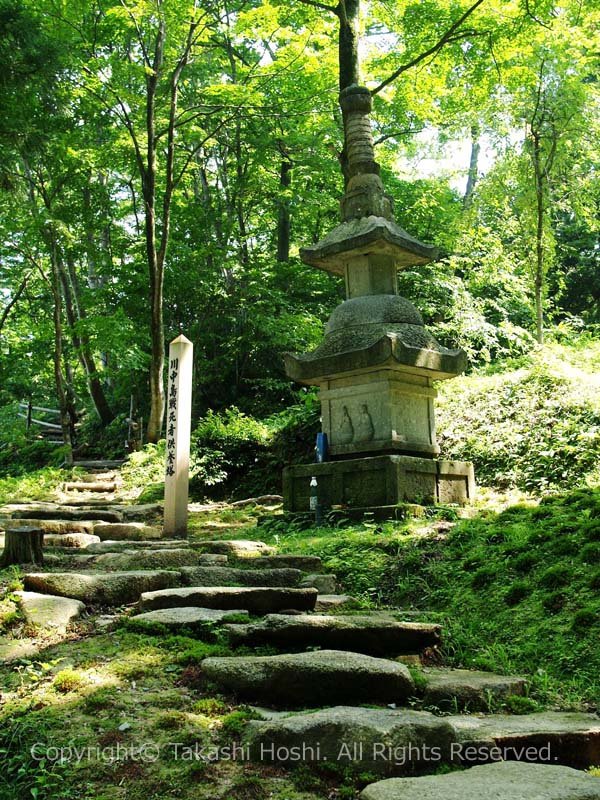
[(376, 365)]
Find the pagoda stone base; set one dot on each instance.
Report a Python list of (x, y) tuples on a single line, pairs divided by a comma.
[(379, 481)]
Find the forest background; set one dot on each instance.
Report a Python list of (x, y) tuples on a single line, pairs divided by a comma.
[(161, 163)]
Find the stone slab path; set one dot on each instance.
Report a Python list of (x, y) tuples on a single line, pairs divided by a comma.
[(175, 618), (257, 600), (48, 611), (373, 634), (110, 588), (502, 781), (304, 679), (109, 554)]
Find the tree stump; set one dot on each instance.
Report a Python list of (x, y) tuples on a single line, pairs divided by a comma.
[(23, 546)]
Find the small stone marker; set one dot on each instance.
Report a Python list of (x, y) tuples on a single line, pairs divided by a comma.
[(179, 411)]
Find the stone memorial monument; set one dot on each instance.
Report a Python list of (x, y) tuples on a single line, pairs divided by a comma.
[(179, 420), (376, 365)]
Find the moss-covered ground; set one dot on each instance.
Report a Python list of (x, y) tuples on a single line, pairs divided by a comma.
[(514, 585)]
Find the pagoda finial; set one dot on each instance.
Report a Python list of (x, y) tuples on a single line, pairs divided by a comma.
[(365, 195)]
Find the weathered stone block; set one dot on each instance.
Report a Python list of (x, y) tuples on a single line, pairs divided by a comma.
[(379, 481)]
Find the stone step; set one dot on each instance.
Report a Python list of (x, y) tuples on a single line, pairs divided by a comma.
[(379, 740), (194, 618), (101, 588), (257, 600), (504, 781), (570, 738), (324, 584), (373, 634), (99, 464), (49, 611), (124, 545), (140, 511), (68, 558), (282, 561), (70, 541), (229, 576), (126, 530), (88, 486), (235, 548), (304, 679), (99, 476), (161, 558), (470, 690), (566, 738), (334, 602), (70, 512), (55, 526)]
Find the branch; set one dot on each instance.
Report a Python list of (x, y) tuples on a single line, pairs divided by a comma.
[(14, 300), (123, 116), (140, 35), (532, 16), (538, 99), (447, 37), (322, 6), (199, 147), (396, 134)]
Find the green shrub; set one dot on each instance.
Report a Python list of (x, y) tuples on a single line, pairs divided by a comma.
[(585, 618), (517, 704), (524, 563), (554, 602), (517, 592), (555, 577), (210, 707), (145, 467), (595, 580), (483, 577), (68, 680), (234, 724), (590, 553), (237, 455), (591, 530), (536, 429)]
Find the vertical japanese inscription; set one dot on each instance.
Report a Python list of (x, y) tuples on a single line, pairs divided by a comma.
[(178, 427), (172, 415)]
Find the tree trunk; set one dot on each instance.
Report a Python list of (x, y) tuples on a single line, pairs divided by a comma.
[(539, 239), (283, 213), (23, 546), (349, 68), (155, 254), (348, 13), (71, 399), (473, 166), (65, 417), (157, 349), (81, 344)]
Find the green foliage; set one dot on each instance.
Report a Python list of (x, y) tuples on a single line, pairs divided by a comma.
[(38, 485), (102, 441), (25, 773), (145, 467), (68, 680), (536, 428), (556, 576), (517, 592), (238, 455), (19, 453), (234, 724)]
